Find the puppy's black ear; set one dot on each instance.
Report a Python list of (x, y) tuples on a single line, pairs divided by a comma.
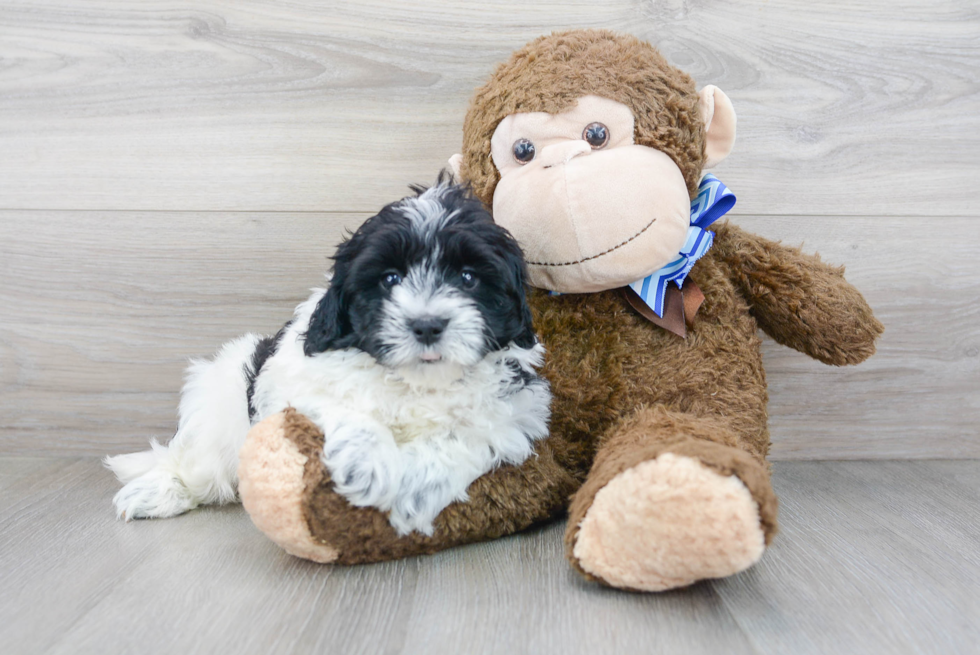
[(525, 337), (514, 257), (328, 323)]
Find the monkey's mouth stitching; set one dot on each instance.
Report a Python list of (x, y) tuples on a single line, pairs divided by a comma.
[(604, 252)]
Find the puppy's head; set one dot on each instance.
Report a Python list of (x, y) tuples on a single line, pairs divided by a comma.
[(428, 287)]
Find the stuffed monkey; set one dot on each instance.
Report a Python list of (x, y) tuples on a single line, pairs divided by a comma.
[(590, 148)]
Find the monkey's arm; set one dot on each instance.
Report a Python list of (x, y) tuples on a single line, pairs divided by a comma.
[(291, 497), (798, 300)]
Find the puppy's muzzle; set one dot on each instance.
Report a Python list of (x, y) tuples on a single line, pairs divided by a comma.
[(428, 330)]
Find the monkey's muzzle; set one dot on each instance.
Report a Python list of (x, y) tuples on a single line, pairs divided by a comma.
[(595, 220)]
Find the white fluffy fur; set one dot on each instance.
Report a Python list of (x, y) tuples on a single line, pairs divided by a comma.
[(200, 464), (395, 444), (420, 296), (390, 443), (404, 435)]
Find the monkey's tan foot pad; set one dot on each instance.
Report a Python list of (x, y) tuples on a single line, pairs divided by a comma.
[(271, 485), (669, 522)]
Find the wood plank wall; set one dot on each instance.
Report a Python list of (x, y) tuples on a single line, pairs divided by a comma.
[(175, 173)]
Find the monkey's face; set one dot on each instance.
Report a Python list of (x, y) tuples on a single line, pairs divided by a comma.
[(591, 209)]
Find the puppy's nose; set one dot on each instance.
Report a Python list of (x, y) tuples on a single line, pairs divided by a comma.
[(428, 330)]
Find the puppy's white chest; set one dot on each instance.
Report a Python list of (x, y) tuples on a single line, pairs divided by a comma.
[(459, 411), (472, 415), (401, 447), (424, 418), (345, 382)]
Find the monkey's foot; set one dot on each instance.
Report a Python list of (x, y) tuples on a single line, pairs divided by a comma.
[(272, 475), (667, 522)]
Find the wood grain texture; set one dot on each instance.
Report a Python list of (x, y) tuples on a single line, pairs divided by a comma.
[(873, 557), (869, 108), (204, 158), (919, 396), (102, 310)]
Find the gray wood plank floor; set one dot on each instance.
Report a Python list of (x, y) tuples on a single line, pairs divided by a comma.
[(873, 557)]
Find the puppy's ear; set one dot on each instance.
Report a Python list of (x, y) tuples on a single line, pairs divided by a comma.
[(525, 336), (328, 323), (514, 257)]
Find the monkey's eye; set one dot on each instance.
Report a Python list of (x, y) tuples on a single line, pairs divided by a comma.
[(468, 279), (390, 279), (596, 134), (523, 151)]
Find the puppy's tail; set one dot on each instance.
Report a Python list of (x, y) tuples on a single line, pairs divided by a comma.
[(200, 464), (131, 466)]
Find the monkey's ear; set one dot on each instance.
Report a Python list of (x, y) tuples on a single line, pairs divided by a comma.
[(719, 125), (328, 324), (454, 164)]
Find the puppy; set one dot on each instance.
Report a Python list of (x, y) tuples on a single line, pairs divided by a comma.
[(418, 363)]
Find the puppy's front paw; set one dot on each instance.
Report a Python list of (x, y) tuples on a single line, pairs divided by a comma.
[(156, 494), (364, 464), (418, 504)]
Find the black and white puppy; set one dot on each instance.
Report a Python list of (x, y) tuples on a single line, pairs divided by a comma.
[(418, 363)]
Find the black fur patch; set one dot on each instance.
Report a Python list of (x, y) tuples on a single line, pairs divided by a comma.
[(519, 378), (264, 349), (349, 313)]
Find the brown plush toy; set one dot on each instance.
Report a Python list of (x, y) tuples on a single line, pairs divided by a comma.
[(590, 148)]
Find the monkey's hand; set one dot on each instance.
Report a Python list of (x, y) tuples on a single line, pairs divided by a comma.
[(798, 300)]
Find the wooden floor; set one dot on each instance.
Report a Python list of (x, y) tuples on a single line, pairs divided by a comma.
[(175, 173), (873, 557)]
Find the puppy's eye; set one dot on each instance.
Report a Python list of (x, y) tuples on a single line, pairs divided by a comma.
[(596, 135), (523, 151), (390, 279), (468, 279)]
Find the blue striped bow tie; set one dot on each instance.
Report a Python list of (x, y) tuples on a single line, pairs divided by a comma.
[(714, 201)]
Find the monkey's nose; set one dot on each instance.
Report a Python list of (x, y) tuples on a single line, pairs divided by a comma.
[(429, 329), (562, 153)]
